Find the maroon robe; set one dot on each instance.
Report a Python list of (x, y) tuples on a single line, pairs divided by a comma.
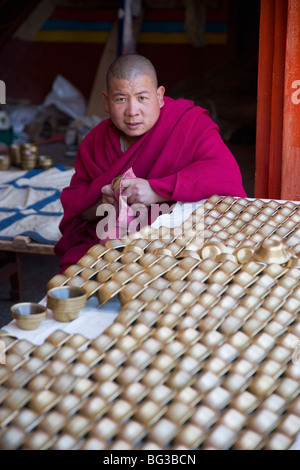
[(182, 156)]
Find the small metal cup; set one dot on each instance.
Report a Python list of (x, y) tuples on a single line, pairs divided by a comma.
[(4, 162)]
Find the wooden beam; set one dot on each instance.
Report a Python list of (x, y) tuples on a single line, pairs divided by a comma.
[(20, 12), (24, 244), (277, 101), (264, 94), (96, 104), (291, 125)]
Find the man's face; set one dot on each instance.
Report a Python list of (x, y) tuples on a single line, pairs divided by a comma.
[(134, 105)]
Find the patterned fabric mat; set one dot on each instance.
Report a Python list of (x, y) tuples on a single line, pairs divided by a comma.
[(30, 203)]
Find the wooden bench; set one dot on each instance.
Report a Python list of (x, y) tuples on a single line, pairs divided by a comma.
[(10, 261)]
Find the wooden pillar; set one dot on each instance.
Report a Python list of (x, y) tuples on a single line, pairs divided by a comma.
[(277, 170), (291, 124), (277, 100), (264, 95)]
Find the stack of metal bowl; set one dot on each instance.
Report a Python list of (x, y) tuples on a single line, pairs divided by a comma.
[(45, 162), (15, 154), (4, 162), (29, 156)]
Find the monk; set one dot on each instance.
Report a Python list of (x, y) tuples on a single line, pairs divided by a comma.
[(172, 147)]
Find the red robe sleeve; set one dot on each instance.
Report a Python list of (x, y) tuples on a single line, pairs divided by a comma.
[(211, 170)]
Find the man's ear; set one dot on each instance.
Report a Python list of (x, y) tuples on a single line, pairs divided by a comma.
[(105, 99), (160, 95)]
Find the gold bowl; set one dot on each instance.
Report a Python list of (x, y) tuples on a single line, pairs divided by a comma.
[(134, 249), (162, 252), (4, 162), (57, 280), (244, 254), (28, 160), (66, 302), (188, 253), (28, 315), (272, 251), (15, 154), (212, 249), (97, 251), (294, 262), (45, 162), (114, 244), (29, 147)]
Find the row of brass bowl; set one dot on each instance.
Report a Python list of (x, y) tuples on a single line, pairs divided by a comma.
[(66, 301), (268, 252)]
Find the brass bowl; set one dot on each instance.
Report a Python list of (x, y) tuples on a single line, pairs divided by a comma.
[(4, 162), (272, 251), (162, 252), (134, 249), (28, 160), (294, 262), (57, 281), (45, 162), (73, 270), (222, 257), (29, 147), (188, 253), (15, 154), (66, 302), (115, 244), (28, 315), (296, 250), (97, 251), (211, 249), (244, 254)]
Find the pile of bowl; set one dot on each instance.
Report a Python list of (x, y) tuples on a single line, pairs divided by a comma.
[(25, 156)]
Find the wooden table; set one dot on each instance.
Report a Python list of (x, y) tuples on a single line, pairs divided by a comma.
[(10, 261)]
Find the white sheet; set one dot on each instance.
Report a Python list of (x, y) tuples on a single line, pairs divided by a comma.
[(30, 203)]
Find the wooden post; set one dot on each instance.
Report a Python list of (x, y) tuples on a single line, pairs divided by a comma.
[(291, 124), (96, 104), (277, 101), (264, 94)]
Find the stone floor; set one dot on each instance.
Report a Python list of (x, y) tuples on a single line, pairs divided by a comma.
[(38, 269)]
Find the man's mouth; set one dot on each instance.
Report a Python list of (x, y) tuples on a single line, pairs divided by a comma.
[(133, 125)]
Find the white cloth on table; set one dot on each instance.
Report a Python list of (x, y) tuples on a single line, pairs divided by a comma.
[(30, 203), (91, 322)]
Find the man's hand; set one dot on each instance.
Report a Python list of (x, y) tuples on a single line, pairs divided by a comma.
[(107, 195), (139, 191), (106, 198)]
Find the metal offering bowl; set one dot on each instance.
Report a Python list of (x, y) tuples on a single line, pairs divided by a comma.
[(66, 302), (45, 162), (28, 315), (4, 162), (272, 251)]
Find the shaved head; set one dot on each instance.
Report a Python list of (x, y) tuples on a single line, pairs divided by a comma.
[(130, 66)]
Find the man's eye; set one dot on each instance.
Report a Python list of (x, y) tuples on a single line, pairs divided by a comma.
[(142, 98)]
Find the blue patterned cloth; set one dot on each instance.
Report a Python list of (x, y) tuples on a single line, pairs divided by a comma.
[(30, 203)]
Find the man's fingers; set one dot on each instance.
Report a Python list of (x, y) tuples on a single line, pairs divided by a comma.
[(107, 190), (107, 199), (125, 183)]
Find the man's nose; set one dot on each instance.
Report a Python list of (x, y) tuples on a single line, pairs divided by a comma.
[(132, 108)]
